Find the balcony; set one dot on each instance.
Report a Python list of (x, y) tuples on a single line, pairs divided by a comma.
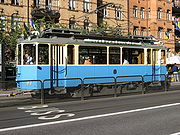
[(48, 13)]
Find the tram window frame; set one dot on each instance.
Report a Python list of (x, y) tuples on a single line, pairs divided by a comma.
[(19, 54), (133, 55), (94, 53), (31, 52), (43, 53), (114, 56)]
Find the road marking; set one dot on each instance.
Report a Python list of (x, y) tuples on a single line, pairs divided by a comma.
[(88, 117), (56, 116), (175, 133), (32, 107), (42, 110), (49, 112)]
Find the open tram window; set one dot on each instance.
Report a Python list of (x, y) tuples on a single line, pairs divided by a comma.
[(29, 51), (71, 54), (43, 54), (133, 56), (114, 55), (19, 54), (95, 55)]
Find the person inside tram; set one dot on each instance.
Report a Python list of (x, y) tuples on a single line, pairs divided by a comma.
[(125, 61), (87, 61), (28, 59)]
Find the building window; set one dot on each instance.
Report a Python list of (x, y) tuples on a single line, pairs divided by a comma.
[(160, 32), (72, 4), (86, 5), (72, 23), (14, 22), (168, 15), (36, 3), (2, 23), (49, 4), (149, 13), (118, 13), (105, 12), (167, 34), (159, 13), (135, 11), (142, 13), (15, 2), (143, 31), (135, 30), (1, 1), (86, 24)]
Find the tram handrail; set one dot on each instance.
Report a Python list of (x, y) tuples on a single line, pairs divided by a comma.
[(42, 88), (142, 80), (165, 76), (82, 94), (115, 84)]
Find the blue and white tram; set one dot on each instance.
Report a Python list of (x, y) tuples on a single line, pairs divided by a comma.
[(66, 56)]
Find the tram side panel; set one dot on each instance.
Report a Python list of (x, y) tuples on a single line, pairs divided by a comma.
[(27, 73)]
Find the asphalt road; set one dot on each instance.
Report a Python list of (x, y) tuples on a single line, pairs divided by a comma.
[(150, 114)]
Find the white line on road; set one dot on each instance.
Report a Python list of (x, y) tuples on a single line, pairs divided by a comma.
[(175, 133), (88, 117)]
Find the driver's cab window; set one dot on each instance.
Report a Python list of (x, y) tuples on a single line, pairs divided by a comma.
[(29, 54)]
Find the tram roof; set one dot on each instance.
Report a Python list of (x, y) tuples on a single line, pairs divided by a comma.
[(85, 42)]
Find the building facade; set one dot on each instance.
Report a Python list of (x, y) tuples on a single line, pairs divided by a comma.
[(152, 18), (81, 14), (176, 24), (130, 17)]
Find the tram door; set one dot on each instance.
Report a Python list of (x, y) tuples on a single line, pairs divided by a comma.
[(154, 62), (54, 64)]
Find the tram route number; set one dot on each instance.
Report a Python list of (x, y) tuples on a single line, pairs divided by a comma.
[(44, 112)]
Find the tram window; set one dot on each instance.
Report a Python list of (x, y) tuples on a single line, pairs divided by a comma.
[(163, 57), (29, 52), (43, 54), (71, 54), (148, 56), (114, 55), (19, 54), (97, 55), (133, 56)]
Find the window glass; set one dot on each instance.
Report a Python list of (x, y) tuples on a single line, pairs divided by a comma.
[(133, 56), (19, 54), (29, 54), (92, 55), (114, 55), (149, 56), (43, 54), (71, 54)]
